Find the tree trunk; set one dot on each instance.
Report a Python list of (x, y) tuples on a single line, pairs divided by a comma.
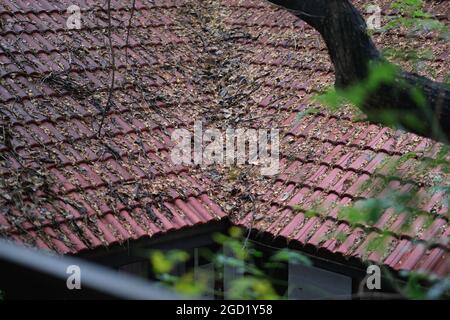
[(351, 50)]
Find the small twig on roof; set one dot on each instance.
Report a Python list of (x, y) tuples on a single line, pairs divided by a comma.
[(113, 73), (128, 30), (251, 223), (259, 117)]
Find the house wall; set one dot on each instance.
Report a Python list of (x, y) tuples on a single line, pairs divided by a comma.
[(323, 280), (308, 282)]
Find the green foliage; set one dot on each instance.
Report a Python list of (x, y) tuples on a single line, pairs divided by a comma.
[(365, 211), (368, 211), (254, 282), (252, 288), (302, 114), (412, 16), (340, 237), (408, 54), (414, 288), (310, 213), (307, 213), (414, 57), (189, 285), (357, 94), (419, 97), (442, 159), (379, 244), (164, 263), (379, 73), (412, 8), (286, 255)]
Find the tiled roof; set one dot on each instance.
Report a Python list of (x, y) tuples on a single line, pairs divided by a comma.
[(327, 159), (229, 63), (67, 189)]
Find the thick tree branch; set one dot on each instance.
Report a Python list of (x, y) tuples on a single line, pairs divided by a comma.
[(351, 50)]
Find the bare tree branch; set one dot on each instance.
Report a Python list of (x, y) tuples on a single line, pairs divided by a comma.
[(113, 74), (128, 30)]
